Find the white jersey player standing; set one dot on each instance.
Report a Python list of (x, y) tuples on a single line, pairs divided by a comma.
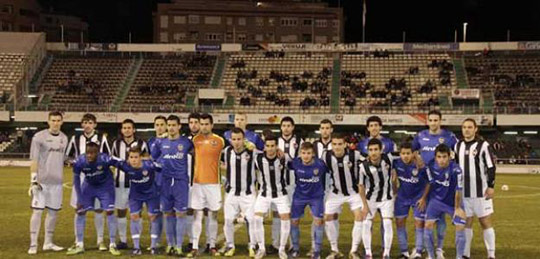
[(46, 176)]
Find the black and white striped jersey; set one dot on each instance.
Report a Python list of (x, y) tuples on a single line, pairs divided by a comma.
[(476, 161), (290, 147), (77, 144), (377, 179), (240, 174), (344, 171), (272, 175)]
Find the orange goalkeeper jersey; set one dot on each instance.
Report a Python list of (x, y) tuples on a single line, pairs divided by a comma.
[(207, 156)]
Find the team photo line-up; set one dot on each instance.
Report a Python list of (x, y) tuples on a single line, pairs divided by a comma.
[(179, 179)]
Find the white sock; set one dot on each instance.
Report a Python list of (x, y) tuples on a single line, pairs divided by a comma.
[(50, 223), (252, 231), (336, 225), (228, 229), (366, 235), (284, 235), (212, 229), (197, 228), (356, 236), (75, 224), (489, 240), (331, 233), (259, 231), (122, 229), (189, 227), (35, 225), (388, 235), (207, 228), (276, 227), (99, 224), (468, 241)]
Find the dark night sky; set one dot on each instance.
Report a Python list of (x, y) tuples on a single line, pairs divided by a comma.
[(423, 20)]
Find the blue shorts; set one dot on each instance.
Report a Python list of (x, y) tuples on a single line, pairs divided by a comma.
[(435, 209), (158, 178), (152, 205), (104, 193), (174, 194), (299, 204), (402, 207)]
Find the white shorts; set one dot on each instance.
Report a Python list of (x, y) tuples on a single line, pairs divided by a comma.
[(121, 198), (334, 202), (290, 193), (234, 205), (479, 207), (49, 197), (190, 195), (282, 203), (385, 207), (206, 196)]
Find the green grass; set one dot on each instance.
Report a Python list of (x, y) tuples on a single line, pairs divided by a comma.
[(515, 219)]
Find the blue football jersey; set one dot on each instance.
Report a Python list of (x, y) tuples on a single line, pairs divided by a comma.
[(151, 143), (388, 146), (172, 155), (310, 179), (445, 182), (143, 185), (412, 181), (426, 143), (250, 136), (95, 173)]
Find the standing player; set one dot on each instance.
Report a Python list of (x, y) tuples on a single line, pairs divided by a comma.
[(98, 184), (240, 121), (310, 173), (206, 192), (343, 169), (171, 154), (409, 176), (445, 196), (324, 143), (239, 188), (273, 192), (141, 175), (194, 127), (376, 192), (289, 143), (474, 156), (160, 127), (76, 147), (425, 143), (46, 175), (374, 127), (120, 149)]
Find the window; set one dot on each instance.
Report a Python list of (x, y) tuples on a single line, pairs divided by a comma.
[(289, 21), (229, 36), (335, 39), (179, 20), (194, 35), (307, 22), (335, 23), (179, 36), (213, 36), (164, 37), (271, 21), (259, 21), (321, 23), (193, 19), (321, 39), (8, 8), (306, 37), (164, 21), (242, 21), (212, 20), (289, 38), (241, 37), (259, 37), (229, 20)]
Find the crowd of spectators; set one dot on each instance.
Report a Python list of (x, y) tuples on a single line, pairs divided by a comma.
[(75, 83)]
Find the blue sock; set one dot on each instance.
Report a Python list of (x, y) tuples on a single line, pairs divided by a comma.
[(402, 239), (135, 228), (441, 231), (295, 237), (419, 238), (111, 222), (81, 222), (155, 230), (460, 243), (318, 237), (170, 232), (180, 229), (159, 228), (429, 242)]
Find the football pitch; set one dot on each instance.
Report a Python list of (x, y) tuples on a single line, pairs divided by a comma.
[(516, 221)]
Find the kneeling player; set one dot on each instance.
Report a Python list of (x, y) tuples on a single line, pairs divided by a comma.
[(410, 172), (273, 192), (98, 184), (445, 184), (343, 168), (310, 173), (141, 175)]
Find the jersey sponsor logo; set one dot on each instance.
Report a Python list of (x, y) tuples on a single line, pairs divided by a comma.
[(178, 155), (56, 150), (425, 139), (445, 183), (310, 180), (98, 172), (408, 180), (143, 180), (429, 149)]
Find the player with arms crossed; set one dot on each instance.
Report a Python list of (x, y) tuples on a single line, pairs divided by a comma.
[(171, 154), (98, 184), (410, 178), (343, 168), (425, 143), (310, 173), (474, 155), (46, 176), (445, 197)]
